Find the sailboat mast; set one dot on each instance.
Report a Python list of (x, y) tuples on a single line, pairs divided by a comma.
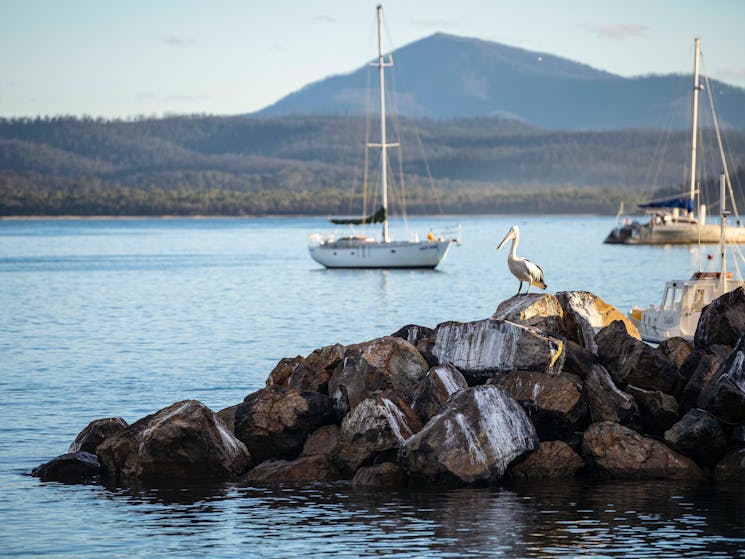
[(694, 136), (383, 145), (722, 239)]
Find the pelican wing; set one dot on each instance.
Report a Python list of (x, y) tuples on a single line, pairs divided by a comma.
[(536, 274)]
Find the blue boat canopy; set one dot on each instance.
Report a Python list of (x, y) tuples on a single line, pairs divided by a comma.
[(683, 203)]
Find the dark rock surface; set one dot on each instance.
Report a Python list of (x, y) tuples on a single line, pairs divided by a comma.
[(431, 394), (412, 333), (722, 321), (73, 467), (537, 310), (676, 349), (551, 460), (302, 470), (314, 372), (280, 375), (724, 396), (731, 467), (657, 411), (607, 402), (699, 436), (386, 475), (96, 432)]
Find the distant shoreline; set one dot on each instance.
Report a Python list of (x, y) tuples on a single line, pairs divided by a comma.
[(272, 216)]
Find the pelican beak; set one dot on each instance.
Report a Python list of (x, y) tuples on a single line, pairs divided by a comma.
[(507, 237)]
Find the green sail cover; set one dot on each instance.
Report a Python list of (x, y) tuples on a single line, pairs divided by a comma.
[(377, 217)]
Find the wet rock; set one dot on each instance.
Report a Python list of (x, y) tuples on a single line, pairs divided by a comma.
[(537, 310), (551, 460), (380, 364), (228, 416), (74, 467), (440, 383), (722, 321), (737, 435), (280, 375), (607, 402), (386, 475), (274, 422), (554, 403), (676, 349), (586, 314), (184, 441), (657, 411), (323, 440), (96, 432), (630, 361), (731, 467), (376, 425), (699, 436), (316, 369), (481, 431), (412, 333), (698, 372), (725, 395), (301, 470), (618, 452), (579, 361), (486, 348)]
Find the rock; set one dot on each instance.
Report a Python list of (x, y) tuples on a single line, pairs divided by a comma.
[(323, 440), (73, 467), (722, 321), (737, 434), (699, 436), (554, 403), (280, 375), (486, 348), (607, 402), (579, 361), (725, 395), (412, 333), (481, 431), (228, 416), (380, 364), (185, 441), (274, 422), (630, 361), (375, 426), (617, 452), (676, 349), (551, 460), (302, 470), (385, 475), (96, 432), (731, 467), (657, 411), (440, 383), (316, 369), (538, 310), (586, 314), (698, 371)]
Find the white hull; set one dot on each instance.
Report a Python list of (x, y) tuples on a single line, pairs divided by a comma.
[(374, 254), (680, 233)]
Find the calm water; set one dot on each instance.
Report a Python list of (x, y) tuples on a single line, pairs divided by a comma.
[(123, 317)]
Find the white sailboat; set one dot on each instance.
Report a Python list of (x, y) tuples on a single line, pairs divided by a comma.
[(683, 300), (360, 251), (673, 220)]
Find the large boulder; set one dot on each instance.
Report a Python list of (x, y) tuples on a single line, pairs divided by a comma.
[(380, 364), (375, 426), (412, 333), (722, 321), (579, 361), (554, 403), (323, 440), (585, 314), (385, 475), (475, 438), (440, 383), (228, 416), (676, 349), (485, 348), (731, 467), (96, 432), (698, 372), (699, 436), (306, 469), (607, 402), (725, 395), (551, 460), (184, 441), (538, 310), (617, 452), (630, 361), (274, 422), (280, 375), (314, 372), (73, 467), (657, 411)]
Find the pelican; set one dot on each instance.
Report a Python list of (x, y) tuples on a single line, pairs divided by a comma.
[(522, 268)]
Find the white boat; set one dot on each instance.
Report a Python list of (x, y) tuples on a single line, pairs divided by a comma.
[(673, 220), (361, 251), (683, 300)]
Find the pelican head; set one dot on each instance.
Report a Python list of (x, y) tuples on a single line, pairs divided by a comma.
[(513, 233)]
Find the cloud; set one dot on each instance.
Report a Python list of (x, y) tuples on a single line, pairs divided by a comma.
[(617, 30), (175, 41)]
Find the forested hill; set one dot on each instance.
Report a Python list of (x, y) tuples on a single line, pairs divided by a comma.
[(313, 165), (446, 76)]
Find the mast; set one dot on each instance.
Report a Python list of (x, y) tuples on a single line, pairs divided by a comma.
[(722, 240), (694, 135)]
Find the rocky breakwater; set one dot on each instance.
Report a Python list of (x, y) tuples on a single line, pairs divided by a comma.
[(550, 386)]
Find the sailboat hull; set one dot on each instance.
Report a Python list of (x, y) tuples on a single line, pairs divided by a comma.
[(673, 234), (374, 254)]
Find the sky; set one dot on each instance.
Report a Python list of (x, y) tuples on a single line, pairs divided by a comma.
[(124, 59)]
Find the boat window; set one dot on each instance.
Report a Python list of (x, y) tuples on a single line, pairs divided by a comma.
[(666, 299), (698, 299), (677, 297)]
